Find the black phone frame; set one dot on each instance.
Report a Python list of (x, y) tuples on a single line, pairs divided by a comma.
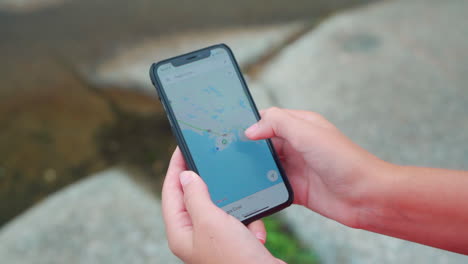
[(193, 56)]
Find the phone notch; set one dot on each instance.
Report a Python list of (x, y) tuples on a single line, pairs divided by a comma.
[(189, 58)]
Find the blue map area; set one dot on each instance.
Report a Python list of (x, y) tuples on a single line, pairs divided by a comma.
[(234, 173), (212, 111)]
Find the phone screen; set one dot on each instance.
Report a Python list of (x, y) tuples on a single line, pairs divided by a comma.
[(212, 109)]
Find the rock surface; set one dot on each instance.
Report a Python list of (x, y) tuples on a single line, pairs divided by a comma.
[(393, 77), (55, 121), (104, 219), (383, 77), (130, 68)]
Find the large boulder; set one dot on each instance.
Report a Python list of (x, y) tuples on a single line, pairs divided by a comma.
[(391, 76), (130, 67), (104, 219)]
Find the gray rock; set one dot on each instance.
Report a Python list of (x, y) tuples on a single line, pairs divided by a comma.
[(393, 77), (335, 243), (263, 97), (388, 76), (129, 68), (104, 219)]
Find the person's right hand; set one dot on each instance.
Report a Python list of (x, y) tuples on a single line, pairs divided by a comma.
[(328, 173)]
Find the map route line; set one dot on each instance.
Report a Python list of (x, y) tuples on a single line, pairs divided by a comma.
[(201, 129)]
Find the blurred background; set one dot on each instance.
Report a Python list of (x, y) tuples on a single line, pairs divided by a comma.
[(84, 144)]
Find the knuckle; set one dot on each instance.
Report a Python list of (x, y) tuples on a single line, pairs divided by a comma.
[(274, 119), (272, 112), (195, 187)]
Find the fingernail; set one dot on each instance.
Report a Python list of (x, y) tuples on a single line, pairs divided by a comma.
[(185, 177), (261, 236), (251, 130)]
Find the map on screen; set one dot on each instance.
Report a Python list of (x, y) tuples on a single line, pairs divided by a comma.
[(213, 111)]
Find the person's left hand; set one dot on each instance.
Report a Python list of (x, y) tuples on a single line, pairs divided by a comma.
[(200, 232)]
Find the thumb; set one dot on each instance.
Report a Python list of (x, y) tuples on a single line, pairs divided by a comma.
[(277, 122), (196, 196)]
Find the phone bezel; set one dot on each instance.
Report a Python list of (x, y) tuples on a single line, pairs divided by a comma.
[(178, 133)]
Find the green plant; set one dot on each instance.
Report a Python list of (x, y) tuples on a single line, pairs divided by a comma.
[(284, 245)]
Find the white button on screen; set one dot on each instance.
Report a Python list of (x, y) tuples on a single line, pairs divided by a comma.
[(272, 175)]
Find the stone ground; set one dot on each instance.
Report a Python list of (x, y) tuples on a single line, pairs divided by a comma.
[(391, 76), (104, 219), (66, 110)]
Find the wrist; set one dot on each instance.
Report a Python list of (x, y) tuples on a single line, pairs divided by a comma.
[(375, 194)]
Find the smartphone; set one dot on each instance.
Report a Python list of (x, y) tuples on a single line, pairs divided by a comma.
[(209, 107)]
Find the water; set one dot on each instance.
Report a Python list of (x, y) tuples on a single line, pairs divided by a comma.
[(56, 127)]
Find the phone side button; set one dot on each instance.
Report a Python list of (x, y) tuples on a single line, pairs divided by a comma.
[(172, 127), (157, 94)]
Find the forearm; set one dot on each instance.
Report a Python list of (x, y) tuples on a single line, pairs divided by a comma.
[(424, 205)]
